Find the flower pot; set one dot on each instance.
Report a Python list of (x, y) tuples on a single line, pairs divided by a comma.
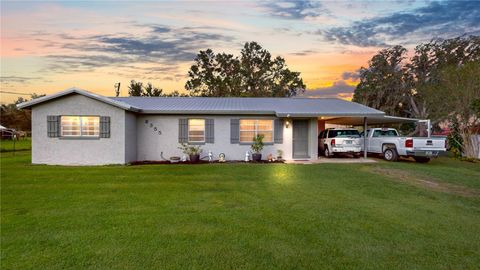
[(256, 157), (194, 158)]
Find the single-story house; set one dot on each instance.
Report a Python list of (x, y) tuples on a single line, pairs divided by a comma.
[(77, 127)]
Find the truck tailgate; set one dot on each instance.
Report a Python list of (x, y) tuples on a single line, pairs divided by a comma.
[(429, 143)]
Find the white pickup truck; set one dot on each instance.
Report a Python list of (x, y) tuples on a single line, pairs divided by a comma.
[(387, 142)]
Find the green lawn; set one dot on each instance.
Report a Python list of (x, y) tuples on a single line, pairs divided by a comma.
[(20, 145), (241, 216)]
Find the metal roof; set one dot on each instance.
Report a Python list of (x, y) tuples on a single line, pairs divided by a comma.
[(281, 107)]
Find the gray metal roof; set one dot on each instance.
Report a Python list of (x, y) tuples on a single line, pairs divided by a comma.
[(281, 107)]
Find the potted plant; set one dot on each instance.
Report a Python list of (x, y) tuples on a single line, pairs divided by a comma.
[(192, 151), (257, 147)]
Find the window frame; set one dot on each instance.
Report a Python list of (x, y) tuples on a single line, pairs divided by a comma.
[(255, 131), (204, 131), (81, 135)]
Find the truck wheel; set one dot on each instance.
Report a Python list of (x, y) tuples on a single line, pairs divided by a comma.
[(390, 154), (422, 159), (326, 152)]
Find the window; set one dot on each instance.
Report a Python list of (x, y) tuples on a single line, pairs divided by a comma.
[(80, 126), (196, 130), (249, 128), (385, 133)]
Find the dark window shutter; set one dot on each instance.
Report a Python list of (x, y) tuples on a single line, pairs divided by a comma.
[(104, 127), (209, 131), (234, 130), (53, 126), (183, 130), (278, 131)]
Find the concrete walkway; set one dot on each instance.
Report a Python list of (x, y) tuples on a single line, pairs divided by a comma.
[(321, 160)]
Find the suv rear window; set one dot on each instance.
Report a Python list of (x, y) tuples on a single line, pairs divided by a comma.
[(343, 133)]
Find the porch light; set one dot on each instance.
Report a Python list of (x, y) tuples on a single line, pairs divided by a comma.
[(287, 121)]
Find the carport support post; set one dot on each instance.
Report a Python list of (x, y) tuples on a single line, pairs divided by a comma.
[(365, 137)]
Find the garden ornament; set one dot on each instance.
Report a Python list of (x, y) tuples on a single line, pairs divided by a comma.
[(247, 156), (221, 157)]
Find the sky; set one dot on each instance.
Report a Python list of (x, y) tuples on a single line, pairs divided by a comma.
[(51, 46)]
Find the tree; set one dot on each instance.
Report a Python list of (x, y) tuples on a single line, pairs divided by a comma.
[(12, 117), (150, 91), (426, 65), (404, 88), (254, 73), (135, 89), (458, 93), (383, 84), (138, 89)]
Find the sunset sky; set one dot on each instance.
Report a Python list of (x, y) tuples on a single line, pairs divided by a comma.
[(50, 46)]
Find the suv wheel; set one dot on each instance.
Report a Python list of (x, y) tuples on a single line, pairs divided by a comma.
[(390, 154)]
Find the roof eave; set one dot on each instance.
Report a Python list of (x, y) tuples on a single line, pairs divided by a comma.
[(284, 114), (33, 102)]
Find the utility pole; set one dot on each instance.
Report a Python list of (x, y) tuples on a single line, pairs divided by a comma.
[(117, 89)]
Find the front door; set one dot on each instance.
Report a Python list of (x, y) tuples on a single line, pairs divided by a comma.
[(300, 139)]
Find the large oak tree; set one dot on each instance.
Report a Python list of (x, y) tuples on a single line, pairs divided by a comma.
[(252, 74)]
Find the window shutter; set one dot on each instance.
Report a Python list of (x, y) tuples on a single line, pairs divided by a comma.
[(209, 131), (234, 130), (183, 130), (53, 126), (104, 127), (278, 131)]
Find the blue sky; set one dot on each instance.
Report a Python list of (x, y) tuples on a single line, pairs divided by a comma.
[(50, 46)]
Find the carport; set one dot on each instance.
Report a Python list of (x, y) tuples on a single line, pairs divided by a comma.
[(370, 120)]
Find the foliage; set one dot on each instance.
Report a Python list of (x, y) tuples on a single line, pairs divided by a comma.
[(279, 153), (137, 89), (464, 82), (382, 85), (475, 107), (253, 74), (16, 118), (257, 145), (406, 88), (454, 139), (190, 149)]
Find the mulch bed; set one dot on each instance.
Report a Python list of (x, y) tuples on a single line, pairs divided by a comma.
[(148, 162)]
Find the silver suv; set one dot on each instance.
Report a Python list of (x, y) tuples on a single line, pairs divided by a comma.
[(339, 140)]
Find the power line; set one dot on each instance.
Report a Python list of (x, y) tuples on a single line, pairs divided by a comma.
[(7, 92)]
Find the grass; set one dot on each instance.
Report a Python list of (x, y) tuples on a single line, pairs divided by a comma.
[(11, 145), (238, 216)]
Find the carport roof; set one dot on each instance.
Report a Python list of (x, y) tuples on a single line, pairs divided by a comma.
[(371, 120)]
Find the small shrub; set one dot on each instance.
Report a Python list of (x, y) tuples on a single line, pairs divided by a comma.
[(190, 149), (257, 145)]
